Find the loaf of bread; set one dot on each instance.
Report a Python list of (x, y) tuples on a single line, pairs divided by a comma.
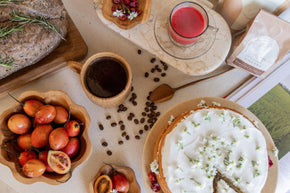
[(33, 41)]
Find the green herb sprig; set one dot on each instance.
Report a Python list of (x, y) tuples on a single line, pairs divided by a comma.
[(6, 62), (4, 31), (23, 19), (6, 2)]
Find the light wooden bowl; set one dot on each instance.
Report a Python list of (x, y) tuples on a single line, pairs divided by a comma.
[(7, 138), (128, 172), (144, 5)]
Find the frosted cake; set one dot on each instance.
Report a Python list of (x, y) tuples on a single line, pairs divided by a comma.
[(211, 149)]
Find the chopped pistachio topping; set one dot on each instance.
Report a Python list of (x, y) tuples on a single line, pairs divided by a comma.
[(180, 144), (179, 180), (256, 173), (195, 181), (207, 117), (236, 122), (186, 131), (195, 124)]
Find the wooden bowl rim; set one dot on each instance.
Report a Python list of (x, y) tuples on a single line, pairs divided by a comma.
[(85, 135)]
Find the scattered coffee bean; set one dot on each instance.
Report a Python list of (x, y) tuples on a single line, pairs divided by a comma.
[(137, 137), (146, 74), (120, 142), (146, 127), (129, 118), (134, 103), (127, 137), (165, 67), (152, 70), (132, 114), (124, 134), (156, 79), (144, 114), (132, 88), (163, 74), (109, 152), (139, 52), (108, 117), (142, 120), (154, 108), (146, 109), (136, 121), (121, 122), (122, 127), (140, 131), (158, 69), (113, 124), (101, 127), (104, 144)]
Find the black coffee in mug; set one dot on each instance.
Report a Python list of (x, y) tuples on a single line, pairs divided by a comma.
[(106, 77)]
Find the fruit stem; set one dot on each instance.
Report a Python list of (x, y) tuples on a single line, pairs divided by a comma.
[(114, 171), (9, 151), (15, 99), (70, 172)]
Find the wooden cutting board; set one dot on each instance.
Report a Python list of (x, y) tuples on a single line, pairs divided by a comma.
[(73, 48)]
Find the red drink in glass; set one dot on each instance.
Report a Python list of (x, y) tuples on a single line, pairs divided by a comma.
[(188, 21)]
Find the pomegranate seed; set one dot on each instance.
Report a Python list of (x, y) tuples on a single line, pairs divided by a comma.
[(123, 17), (114, 8), (152, 176), (270, 162), (133, 4), (155, 187)]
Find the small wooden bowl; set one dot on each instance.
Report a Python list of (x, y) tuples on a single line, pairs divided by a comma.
[(144, 5), (128, 172), (7, 138)]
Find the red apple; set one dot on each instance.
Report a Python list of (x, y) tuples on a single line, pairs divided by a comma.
[(120, 183)]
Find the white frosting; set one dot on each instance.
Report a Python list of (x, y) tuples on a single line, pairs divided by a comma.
[(213, 139)]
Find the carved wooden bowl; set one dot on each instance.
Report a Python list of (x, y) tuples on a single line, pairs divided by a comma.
[(128, 172), (144, 5), (8, 139)]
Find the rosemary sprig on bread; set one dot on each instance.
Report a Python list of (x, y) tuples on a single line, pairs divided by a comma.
[(6, 62), (4, 31), (6, 2), (24, 19)]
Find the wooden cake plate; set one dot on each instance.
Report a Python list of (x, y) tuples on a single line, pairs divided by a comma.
[(147, 36), (73, 48)]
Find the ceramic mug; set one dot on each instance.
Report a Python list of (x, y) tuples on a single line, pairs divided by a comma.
[(102, 78)]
